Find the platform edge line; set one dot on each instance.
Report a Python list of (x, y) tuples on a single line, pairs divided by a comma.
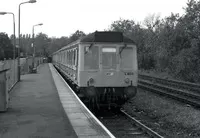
[(105, 129)]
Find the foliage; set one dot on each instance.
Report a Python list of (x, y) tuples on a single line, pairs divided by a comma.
[(41, 43), (25, 42), (76, 36), (171, 44), (186, 65), (122, 25), (57, 43), (44, 45), (6, 48)]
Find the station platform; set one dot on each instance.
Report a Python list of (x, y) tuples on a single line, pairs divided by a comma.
[(40, 107)]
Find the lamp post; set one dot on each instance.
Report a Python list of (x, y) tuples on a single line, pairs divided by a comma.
[(30, 1), (33, 43), (14, 38)]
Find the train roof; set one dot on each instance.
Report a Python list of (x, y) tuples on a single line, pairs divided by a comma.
[(102, 37), (114, 37)]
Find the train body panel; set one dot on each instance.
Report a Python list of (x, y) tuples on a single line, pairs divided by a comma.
[(103, 75), (100, 69), (108, 78)]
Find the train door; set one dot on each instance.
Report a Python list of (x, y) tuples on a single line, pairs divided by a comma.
[(109, 58)]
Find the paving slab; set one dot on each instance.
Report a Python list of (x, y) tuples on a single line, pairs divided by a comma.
[(83, 121), (35, 110)]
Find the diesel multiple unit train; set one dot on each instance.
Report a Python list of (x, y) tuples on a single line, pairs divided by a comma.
[(101, 66)]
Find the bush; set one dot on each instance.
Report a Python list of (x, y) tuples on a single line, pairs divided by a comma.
[(146, 61), (186, 65)]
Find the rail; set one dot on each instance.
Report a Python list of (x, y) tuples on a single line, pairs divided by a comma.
[(146, 129), (182, 91)]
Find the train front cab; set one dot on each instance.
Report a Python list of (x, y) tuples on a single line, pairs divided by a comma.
[(108, 72)]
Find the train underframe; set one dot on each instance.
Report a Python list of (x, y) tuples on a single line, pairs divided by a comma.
[(106, 97), (97, 98)]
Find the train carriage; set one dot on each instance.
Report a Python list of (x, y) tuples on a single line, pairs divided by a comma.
[(102, 66)]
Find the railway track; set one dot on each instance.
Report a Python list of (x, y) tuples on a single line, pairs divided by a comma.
[(186, 92), (126, 126)]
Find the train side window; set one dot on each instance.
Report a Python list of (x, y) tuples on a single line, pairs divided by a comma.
[(74, 56), (67, 58), (109, 58), (61, 57), (70, 57), (127, 58), (64, 57), (91, 58)]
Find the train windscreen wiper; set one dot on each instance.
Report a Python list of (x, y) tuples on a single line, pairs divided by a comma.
[(125, 45), (89, 48)]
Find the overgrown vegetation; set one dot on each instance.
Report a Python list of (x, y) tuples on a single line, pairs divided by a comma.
[(6, 48), (169, 45)]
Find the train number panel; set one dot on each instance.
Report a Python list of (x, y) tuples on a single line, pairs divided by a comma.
[(102, 67)]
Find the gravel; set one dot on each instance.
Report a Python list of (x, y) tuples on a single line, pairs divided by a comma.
[(166, 116)]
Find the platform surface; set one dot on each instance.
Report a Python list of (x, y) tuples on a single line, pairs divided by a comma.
[(83, 121), (35, 110)]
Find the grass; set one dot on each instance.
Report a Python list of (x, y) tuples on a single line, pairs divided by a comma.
[(159, 74), (173, 118)]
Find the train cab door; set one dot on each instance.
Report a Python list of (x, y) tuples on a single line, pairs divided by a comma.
[(108, 66)]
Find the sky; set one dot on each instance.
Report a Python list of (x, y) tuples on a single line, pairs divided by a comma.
[(64, 17)]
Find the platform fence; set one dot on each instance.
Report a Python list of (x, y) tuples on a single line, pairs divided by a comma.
[(12, 69)]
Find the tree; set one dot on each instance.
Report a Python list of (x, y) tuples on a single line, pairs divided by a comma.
[(137, 34), (75, 36), (6, 47), (57, 43), (122, 25), (41, 43), (26, 41)]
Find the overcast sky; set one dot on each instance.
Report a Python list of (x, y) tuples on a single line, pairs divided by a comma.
[(64, 17)]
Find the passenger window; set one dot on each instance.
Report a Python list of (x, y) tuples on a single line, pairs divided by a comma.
[(109, 58), (126, 58), (91, 57), (74, 57)]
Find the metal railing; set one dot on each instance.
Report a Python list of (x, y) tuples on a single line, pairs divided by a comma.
[(11, 73), (12, 69)]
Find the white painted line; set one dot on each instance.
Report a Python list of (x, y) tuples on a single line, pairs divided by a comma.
[(105, 129)]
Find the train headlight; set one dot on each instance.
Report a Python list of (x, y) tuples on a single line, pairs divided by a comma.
[(127, 80), (130, 92), (90, 81)]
